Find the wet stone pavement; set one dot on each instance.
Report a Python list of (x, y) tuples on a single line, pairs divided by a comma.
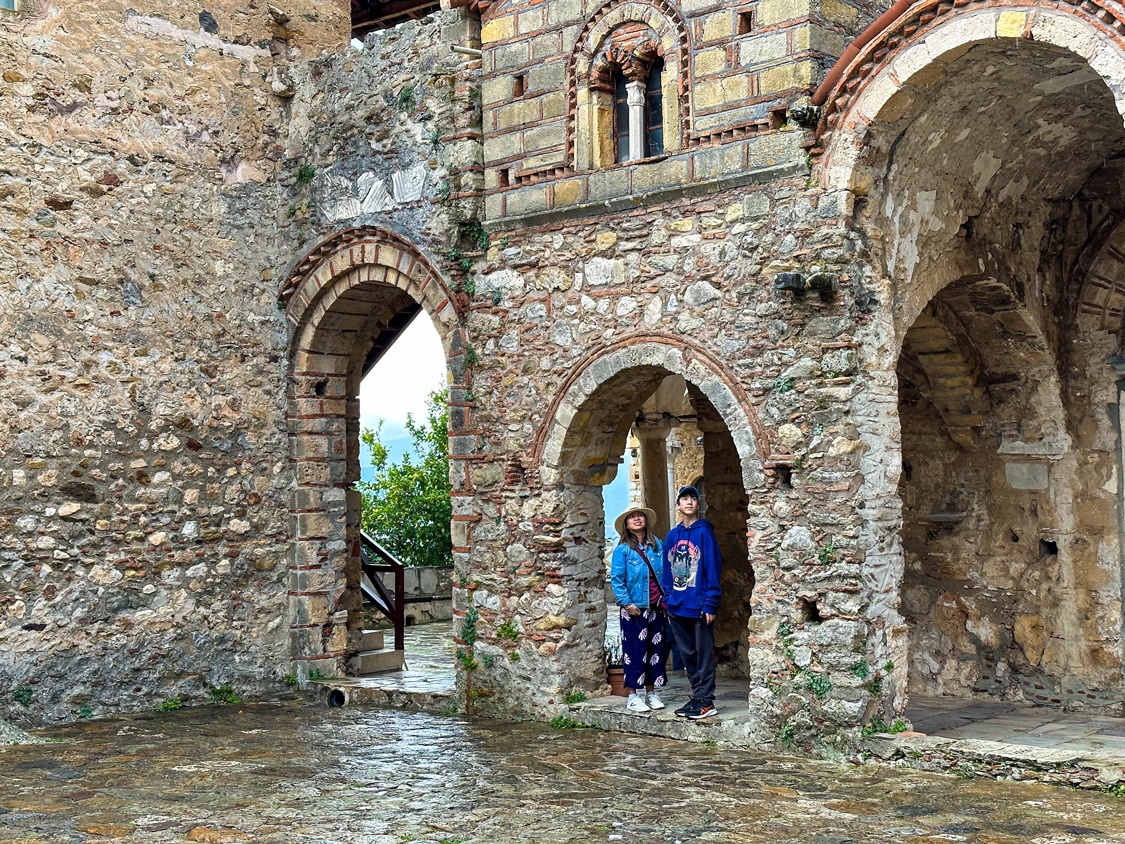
[(298, 772)]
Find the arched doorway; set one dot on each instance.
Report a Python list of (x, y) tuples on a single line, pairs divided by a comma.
[(580, 452), (344, 302)]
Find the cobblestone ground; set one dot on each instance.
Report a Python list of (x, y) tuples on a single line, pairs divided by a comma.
[(301, 773)]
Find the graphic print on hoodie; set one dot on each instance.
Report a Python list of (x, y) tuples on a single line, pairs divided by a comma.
[(684, 557)]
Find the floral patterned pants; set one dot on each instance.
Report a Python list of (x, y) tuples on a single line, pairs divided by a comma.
[(644, 648)]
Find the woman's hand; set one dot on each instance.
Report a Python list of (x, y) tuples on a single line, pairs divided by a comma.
[(633, 609)]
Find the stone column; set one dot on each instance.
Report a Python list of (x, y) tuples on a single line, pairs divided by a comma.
[(653, 455), (636, 99), (1118, 363)]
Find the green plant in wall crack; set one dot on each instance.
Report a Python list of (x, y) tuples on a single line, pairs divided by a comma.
[(170, 704), (827, 553), (224, 694), (860, 670), (407, 99), (819, 685), (476, 233), (574, 697), (783, 385), (305, 174), (466, 657), (508, 630), (23, 695)]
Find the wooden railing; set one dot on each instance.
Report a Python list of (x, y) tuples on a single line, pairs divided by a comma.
[(374, 559)]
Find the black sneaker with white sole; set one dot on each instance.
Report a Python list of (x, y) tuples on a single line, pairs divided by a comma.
[(701, 711), (683, 711)]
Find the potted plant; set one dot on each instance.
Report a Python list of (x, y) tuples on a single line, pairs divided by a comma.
[(614, 668)]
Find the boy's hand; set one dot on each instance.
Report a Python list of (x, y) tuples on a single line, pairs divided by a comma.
[(709, 617)]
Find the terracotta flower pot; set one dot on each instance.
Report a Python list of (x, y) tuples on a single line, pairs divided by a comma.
[(615, 676)]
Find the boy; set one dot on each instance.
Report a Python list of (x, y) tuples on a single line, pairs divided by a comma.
[(691, 596)]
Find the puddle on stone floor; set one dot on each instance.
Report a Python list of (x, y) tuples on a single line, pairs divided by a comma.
[(301, 773)]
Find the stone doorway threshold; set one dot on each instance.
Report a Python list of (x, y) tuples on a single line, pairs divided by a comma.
[(969, 738)]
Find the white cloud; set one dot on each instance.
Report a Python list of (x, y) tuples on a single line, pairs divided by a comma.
[(410, 370)]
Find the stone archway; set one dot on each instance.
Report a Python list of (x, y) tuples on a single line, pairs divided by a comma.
[(578, 453), (991, 592), (979, 200), (338, 300)]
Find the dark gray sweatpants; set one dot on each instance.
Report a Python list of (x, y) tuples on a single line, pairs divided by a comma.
[(695, 639)]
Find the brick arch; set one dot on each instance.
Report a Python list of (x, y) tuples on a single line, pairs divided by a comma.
[(932, 31), (1101, 300), (570, 449), (338, 299), (670, 34)]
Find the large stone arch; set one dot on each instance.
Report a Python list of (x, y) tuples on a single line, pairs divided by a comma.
[(338, 299), (555, 445), (914, 48), (974, 200), (578, 449)]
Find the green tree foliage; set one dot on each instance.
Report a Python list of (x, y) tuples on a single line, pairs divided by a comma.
[(407, 507)]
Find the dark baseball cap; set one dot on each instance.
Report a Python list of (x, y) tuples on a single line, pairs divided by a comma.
[(687, 490)]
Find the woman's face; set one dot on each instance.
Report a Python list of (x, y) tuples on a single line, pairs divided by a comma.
[(635, 522)]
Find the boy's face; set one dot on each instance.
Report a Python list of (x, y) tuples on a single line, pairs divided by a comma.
[(688, 505)]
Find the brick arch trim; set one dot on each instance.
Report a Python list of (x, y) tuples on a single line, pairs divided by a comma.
[(673, 354), (932, 29), (1101, 300), (668, 25), (357, 247)]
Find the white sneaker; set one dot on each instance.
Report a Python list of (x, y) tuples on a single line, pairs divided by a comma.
[(653, 701), (637, 703)]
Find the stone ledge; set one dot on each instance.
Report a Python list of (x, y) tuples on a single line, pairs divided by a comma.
[(972, 758), (632, 201)]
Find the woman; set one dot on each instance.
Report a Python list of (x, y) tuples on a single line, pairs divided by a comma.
[(635, 579)]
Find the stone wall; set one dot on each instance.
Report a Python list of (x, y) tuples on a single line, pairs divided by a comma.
[(144, 481), (153, 205)]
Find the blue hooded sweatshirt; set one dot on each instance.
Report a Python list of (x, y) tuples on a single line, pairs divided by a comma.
[(691, 570)]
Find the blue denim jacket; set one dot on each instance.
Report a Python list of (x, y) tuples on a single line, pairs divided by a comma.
[(628, 574)]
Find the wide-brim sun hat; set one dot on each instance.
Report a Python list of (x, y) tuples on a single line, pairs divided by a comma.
[(650, 517)]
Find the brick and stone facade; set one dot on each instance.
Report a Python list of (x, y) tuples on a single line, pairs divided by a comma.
[(894, 309)]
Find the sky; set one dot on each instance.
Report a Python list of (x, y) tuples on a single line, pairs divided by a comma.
[(410, 370)]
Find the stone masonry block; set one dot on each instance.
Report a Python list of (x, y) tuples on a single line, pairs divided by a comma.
[(765, 49), (787, 77), (840, 13), (568, 192), (553, 104), (548, 76), (720, 161), (496, 89), (608, 184), (772, 12), (716, 93), (528, 200), (546, 134), (1063, 31), (564, 11), (718, 26), (518, 113), (820, 39), (510, 56), (498, 29), (710, 61), (670, 173)]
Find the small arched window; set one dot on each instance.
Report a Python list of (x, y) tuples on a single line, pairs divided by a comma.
[(638, 111)]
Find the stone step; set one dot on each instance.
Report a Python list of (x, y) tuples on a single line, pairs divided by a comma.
[(372, 640), (375, 662)]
